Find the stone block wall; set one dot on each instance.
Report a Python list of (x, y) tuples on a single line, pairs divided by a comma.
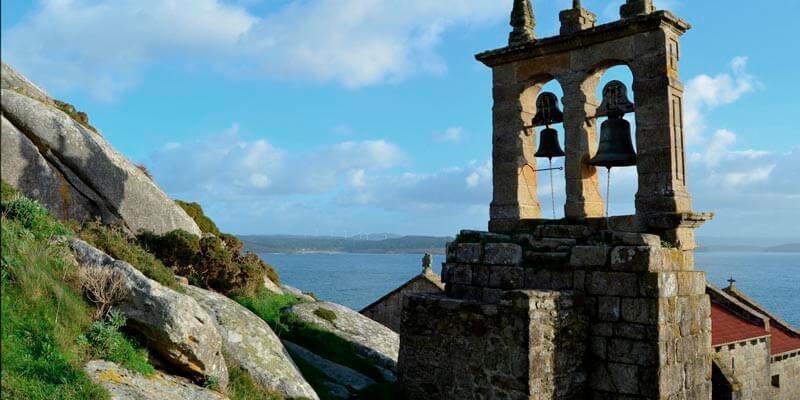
[(787, 367), (748, 361), (649, 333), (529, 345), (388, 309)]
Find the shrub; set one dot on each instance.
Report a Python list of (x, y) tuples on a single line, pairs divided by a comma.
[(118, 244), (105, 341), (33, 217), (207, 263), (177, 248), (232, 242), (196, 212), (326, 314), (105, 287), (235, 245)]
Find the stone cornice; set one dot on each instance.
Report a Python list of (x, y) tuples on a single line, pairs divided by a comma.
[(599, 34)]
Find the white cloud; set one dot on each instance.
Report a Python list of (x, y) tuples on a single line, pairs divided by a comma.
[(227, 165), (104, 46), (448, 189), (718, 147), (454, 134), (363, 42), (357, 178), (704, 93)]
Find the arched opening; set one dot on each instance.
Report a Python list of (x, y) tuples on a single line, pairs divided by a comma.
[(620, 193), (551, 185)]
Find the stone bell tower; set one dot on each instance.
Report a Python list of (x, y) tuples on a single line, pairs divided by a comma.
[(587, 307)]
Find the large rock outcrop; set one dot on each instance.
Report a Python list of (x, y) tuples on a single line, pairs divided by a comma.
[(123, 384), (371, 339), (174, 325), (251, 344), (338, 376), (53, 158)]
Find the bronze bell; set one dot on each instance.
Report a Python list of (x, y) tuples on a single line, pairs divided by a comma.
[(616, 147), (548, 113), (548, 144)]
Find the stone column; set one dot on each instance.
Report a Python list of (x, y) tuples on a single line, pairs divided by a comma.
[(659, 126), (633, 8), (513, 147), (580, 102)]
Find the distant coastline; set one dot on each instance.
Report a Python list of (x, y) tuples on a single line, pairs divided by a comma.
[(396, 244), (388, 244)]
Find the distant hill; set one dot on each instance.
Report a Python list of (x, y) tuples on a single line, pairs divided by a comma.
[(784, 248), (369, 244)]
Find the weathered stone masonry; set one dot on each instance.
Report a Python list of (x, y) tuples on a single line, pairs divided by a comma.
[(648, 332), (630, 318)]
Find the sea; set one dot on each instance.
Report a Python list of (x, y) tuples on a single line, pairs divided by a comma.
[(357, 280)]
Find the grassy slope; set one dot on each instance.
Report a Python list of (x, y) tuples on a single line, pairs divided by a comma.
[(268, 305), (47, 330), (43, 313)]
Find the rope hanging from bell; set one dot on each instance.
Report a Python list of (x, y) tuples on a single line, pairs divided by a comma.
[(548, 113), (616, 147)]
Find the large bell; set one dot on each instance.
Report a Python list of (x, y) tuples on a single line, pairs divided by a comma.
[(616, 147), (548, 144)]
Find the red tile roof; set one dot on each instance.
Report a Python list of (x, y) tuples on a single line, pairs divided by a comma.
[(727, 327), (782, 341)]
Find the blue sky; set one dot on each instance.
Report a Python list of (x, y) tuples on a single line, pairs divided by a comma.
[(354, 116)]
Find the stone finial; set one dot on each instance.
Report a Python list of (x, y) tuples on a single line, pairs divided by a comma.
[(576, 19), (633, 8), (523, 22), (427, 262), (731, 283)]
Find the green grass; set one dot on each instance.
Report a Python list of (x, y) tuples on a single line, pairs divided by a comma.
[(242, 387), (268, 306), (43, 312), (47, 329), (117, 244), (7, 192)]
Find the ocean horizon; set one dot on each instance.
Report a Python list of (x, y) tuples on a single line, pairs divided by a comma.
[(356, 280)]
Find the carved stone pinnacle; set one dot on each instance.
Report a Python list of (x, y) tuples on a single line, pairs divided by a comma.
[(523, 22)]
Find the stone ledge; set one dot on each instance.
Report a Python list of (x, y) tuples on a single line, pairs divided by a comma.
[(584, 38)]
